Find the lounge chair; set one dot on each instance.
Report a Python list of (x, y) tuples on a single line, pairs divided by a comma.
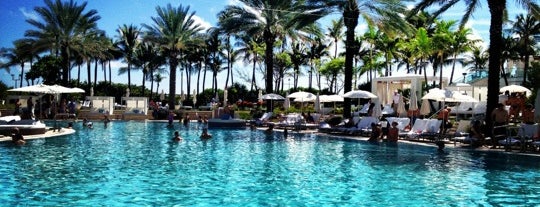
[(343, 127), (433, 129), (263, 120), (462, 131), (402, 122), (419, 126), (363, 127)]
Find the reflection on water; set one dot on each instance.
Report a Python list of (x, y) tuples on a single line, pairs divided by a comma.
[(137, 163)]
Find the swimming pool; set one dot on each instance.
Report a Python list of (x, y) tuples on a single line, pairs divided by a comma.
[(136, 164)]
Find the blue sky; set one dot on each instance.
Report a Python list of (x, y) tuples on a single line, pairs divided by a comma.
[(117, 12)]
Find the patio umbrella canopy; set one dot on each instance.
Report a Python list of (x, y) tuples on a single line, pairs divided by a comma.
[(46, 89), (447, 96), (330, 98), (302, 96), (359, 94), (272, 96), (516, 89)]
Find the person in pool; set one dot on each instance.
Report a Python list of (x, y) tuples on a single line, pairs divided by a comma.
[(376, 133), (177, 137), (17, 137), (393, 133), (270, 129), (205, 134)]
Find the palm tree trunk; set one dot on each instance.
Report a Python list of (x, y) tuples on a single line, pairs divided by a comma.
[(496, 8), (78, 75), (453, 68), (110, 72), (350, 15), (95, 72), (269, 60), (253, 72), (503, 73), (89, 72), (143, 83), (129, 75), (22, 75), (173, 62)]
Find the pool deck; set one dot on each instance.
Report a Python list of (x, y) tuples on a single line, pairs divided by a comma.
[(448, 144), (49, 134)]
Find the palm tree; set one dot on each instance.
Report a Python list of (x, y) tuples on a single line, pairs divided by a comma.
[(336, 33), (497, 9), (18, 56), (477, 60), (510, 52), (271, 18), (250, 47), (460, 44), (172, 29), (385, 13), (442, 40), (65, 25), (127, 43), (526, 27), (317, 50)]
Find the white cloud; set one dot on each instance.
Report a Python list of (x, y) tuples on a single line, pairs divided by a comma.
[(204, 24), (29, 14)]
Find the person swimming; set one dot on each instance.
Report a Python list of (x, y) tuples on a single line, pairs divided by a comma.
[(177, 137), (205, 134), (17, 137)]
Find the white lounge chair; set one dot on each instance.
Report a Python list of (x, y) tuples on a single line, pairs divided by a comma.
[(364, 126), (264, 119)]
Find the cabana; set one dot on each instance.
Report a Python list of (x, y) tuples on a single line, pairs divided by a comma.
[(100, 106), (136, 108), (384, 87)]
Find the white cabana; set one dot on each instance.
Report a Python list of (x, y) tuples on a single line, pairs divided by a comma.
[(101, 104), (384, 87), (136, 105)]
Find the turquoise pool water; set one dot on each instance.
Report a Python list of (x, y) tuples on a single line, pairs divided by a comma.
[(136, 164)]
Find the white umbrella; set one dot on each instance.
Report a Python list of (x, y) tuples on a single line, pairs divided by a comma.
[(330, 98), (194, 97), (162, 96), (447, 96), (537, 106), (91, 91), (515, 89), (413, 102), (260, 95), (425, 109), (42, 88), (272, 96), (317, 103), (302, 96), (225, 93), (377, 110), (34, 89), (359, 94), (401, 107), (127, 92)]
